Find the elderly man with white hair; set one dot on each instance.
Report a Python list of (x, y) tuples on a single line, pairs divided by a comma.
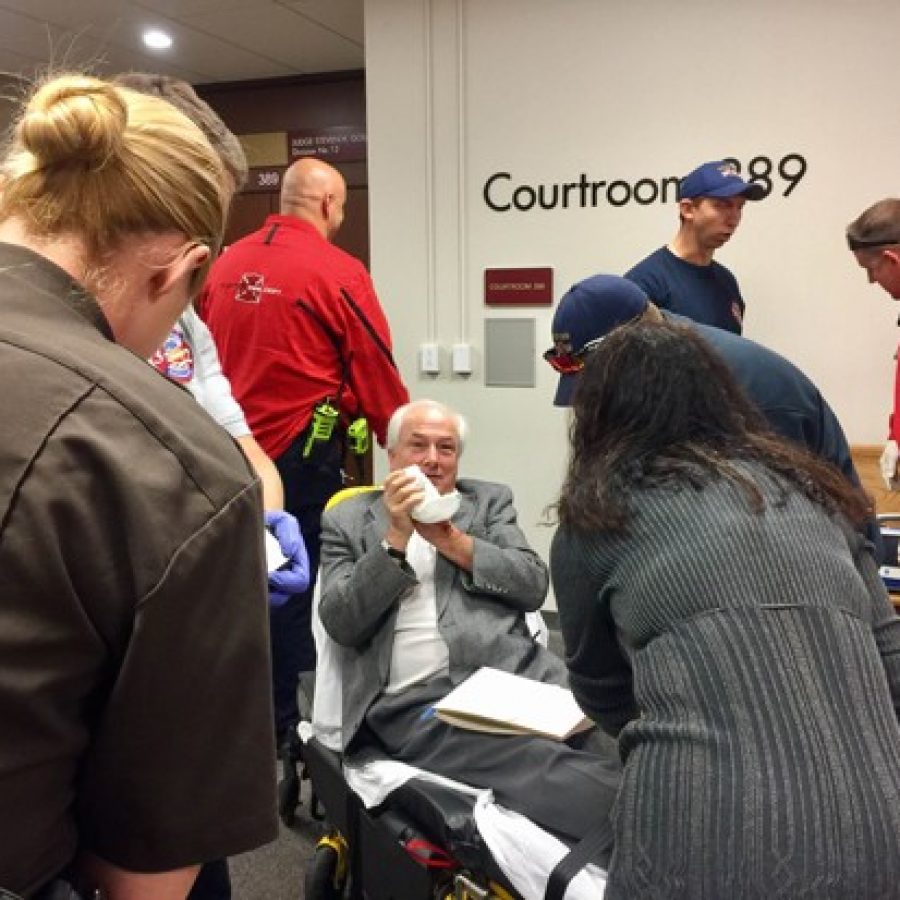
[(421, 596)]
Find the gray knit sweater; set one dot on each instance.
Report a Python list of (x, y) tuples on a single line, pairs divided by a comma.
[(750, 665)]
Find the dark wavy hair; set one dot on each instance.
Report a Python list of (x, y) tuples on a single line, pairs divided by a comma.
[(655, 406)]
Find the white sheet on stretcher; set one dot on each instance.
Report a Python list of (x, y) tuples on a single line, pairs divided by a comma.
[(525, 852)]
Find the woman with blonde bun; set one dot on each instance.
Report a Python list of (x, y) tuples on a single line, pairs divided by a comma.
[(133, 613)]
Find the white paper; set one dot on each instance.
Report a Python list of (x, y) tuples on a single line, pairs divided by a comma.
[(275, 559), (495, 700)]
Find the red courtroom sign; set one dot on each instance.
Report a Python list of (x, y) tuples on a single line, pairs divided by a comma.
[(264, 179), (518, 287), (334, 143)]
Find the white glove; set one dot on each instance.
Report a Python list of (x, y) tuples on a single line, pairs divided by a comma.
[(888, 464)]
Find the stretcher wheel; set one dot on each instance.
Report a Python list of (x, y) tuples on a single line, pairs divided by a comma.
[(322, 882)]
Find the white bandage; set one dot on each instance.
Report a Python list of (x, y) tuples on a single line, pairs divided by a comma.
[(434, 507)]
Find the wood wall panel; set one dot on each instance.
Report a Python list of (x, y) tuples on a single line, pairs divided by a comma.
[(247, 213), (865, 458), (338, 98)]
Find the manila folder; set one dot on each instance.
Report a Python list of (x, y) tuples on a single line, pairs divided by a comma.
[(501, 703)]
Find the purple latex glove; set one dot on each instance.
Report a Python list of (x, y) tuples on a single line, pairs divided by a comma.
[(293, 577)]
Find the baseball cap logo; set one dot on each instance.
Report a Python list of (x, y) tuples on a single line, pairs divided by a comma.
[(562, 342), (719, 179)]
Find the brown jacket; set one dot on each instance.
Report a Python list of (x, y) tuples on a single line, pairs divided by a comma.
[(135, 713)]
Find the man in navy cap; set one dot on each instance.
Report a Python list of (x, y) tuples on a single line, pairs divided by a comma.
[(791, 403), (682, 277)]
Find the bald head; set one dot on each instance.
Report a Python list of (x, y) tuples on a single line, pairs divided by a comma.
[(315, 192)]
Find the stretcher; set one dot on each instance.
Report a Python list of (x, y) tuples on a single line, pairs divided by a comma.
[(397, 833), (397, 849)]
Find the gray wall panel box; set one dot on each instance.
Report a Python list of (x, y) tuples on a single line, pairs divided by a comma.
[(509, 353)]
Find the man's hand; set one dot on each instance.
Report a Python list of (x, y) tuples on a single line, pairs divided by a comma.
[(888, 463), (401, 496), (449, 541), (294, 577)]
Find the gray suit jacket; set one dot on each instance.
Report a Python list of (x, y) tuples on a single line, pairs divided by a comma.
[(481, 615)]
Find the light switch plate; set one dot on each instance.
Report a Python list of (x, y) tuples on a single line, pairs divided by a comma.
[(461, 359), (430, 359)]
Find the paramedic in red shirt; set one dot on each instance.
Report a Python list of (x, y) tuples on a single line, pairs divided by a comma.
[(297, 324)]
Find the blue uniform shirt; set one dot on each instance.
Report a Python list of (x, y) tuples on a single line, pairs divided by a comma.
[(706, 294)]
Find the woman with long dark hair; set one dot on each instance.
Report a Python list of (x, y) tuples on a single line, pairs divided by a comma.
[(726, 621)]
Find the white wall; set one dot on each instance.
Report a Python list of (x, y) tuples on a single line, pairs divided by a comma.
[(626, 89)]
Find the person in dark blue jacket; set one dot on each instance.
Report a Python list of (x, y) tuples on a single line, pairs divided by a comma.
[(791, 403)]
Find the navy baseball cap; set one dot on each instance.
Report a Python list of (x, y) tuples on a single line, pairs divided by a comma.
[(588, 312), (718, 179)]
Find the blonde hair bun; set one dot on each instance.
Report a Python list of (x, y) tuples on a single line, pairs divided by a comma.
[(99, 162), (74, 118)]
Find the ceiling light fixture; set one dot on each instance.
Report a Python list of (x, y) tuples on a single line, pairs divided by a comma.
[(156, 39)]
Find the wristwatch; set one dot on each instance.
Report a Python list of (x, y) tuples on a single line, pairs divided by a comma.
[(393, 552)]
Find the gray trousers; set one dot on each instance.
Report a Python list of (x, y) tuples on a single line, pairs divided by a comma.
[(562, 789)]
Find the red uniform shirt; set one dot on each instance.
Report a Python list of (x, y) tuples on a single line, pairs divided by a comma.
[(296, 320)]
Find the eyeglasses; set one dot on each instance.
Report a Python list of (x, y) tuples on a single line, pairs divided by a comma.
[(869, 243), (572, 362)]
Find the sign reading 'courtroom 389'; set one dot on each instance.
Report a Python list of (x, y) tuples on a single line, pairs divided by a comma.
[(518, 287), (503, 193)]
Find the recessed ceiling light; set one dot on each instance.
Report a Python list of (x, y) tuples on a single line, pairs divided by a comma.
[(156, 39)]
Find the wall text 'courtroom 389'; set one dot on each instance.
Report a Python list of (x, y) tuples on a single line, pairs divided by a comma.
[(502, 195)]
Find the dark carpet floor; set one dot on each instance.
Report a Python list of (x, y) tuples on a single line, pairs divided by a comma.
[(276, 871)]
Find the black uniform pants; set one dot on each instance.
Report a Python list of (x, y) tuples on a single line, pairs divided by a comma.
[(308, 484)]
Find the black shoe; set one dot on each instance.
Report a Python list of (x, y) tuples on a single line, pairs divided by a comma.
[(289, 786)]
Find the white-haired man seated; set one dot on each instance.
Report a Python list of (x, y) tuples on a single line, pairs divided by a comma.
[(420, 606)]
